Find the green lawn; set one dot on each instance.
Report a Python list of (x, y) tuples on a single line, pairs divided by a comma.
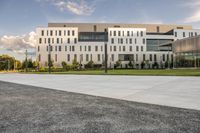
[(172, 72)]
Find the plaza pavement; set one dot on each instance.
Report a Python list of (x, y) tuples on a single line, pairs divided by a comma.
[(183, 92)]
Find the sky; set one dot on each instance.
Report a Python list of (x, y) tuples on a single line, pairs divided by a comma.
[(20, 18)]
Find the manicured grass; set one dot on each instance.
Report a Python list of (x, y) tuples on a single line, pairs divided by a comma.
[(171, 72)]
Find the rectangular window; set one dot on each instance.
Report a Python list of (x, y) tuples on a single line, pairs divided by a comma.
[(101, 48), (141, 48), (124, 48), (87, 57), (55, 48), (85, 48), (112, 40), (75, 40), (72, 32), (59, 47), (137, 48), (130, 41), (128, 33), (65, 48), (61, 40), (121, 40), (99, 57), (155, 57), (144, 57), (150, 57), (68, 57), (114, 33), (89, 48), (130, 48), (47, 33), (49, 40), (47, 48), (110, 48), (57, 40), (80, 48), (135, 41), (42, 33), (45, 40), (115, 49), (144, 41), (141, 33), (163, 57), (183, 34), (39, 57), (68, 32), (158, 29), (51, 33), (40, 40), (96, 48), (119, 48), (59, 32), (73, 48), (52, 40), (38, 48), (175, 34), (137, 33), (113, 57), (51, 48), (119, 33), (110, 33), (64, 32), (68, 40)]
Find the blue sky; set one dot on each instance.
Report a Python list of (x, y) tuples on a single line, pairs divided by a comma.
[(19, 18)]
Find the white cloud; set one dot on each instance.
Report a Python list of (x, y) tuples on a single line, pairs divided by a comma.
[(18, 44), (195, 16), (78, 7)]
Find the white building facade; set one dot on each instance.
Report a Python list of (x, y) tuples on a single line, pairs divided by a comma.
[(138, 44)]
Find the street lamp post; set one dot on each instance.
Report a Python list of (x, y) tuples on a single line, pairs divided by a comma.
[(49, 59)]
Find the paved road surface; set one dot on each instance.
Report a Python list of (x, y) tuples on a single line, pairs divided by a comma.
[(172, 91)]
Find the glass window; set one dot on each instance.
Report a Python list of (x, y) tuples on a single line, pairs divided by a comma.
[(68, 32), (60, 33), (51, 33), (42, 33), (112, 57), (72, 32), (112, 40), (115, 48), (99, 57), (130, 40), (130, 48), (40, 40), (141, 48), (137, 48), (96, 48), (68, 57), (124, 48), (57, 40), (68, 40), (75, 40), (143, 41), (59, 48), (114, 33)]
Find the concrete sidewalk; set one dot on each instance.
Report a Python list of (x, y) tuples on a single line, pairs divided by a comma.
[(172, 91)]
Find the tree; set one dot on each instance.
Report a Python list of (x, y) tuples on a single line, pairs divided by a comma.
[(18, 65), (6, 62), (64, 64), (75, 65), (90, 64), (130, 64), (142, 65), (35, 64), (118, 63)]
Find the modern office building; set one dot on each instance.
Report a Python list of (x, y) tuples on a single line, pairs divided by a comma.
[(187, 52), (84, 42)]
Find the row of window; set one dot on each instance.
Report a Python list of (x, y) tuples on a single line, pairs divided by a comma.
[(58, 33), (100, 57), (88, 48), (127, 33), (127, 41), (191, 34), (57, 40)]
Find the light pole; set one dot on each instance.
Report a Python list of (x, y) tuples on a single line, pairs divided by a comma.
[(106, 54), (49, 58), (26, 61)]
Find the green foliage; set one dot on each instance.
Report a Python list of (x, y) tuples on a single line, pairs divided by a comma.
[(75, 65), (65, 66), (6, 62), (118, 63), (90, 64), (130, 64)]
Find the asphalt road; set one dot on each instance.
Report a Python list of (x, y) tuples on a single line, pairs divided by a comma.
[(27, 109)]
